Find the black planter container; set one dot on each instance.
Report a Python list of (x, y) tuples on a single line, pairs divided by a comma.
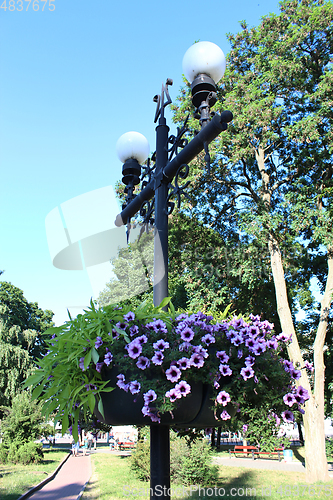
[(123, 408)]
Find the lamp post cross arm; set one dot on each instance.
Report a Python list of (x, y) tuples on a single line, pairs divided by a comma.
[(206, 135)]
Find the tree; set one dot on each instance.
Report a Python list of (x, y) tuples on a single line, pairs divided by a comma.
[(21, 341), (272, 177), (21, 426)]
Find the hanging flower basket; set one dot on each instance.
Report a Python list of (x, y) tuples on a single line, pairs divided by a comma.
[(148, 366)]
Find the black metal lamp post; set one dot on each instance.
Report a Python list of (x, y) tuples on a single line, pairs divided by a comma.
[(203, 65)]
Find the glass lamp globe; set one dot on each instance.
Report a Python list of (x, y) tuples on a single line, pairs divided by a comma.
[(204, 58), (132, 145)]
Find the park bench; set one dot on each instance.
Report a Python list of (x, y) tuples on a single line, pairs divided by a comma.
[(244, 450), (278, 452), (126, 445), (253, 450)]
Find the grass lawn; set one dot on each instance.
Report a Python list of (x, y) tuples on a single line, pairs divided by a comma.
[(112, 479), (17, 479)]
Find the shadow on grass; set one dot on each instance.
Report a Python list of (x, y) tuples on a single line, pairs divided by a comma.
[(236, 488)]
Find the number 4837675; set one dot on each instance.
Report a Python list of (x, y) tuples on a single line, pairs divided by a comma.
[(19, 5)]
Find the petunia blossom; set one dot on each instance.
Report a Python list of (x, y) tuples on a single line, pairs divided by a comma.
[(160, 345), (158, 357), (224, 415), (173, 373), (225, 370), (143, 362), (183, 388), (134, 349), (247, 372), (288, 416), (289, 399), (223, 398)]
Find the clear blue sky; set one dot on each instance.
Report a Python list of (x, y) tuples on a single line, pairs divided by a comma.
[(72, 80)]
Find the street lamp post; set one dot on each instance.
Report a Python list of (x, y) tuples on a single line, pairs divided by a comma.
[(203, 66)]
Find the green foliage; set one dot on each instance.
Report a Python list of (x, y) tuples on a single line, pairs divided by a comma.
[(262, 431), (21, 341), (70, 378), (329, 448), (133, 269), (189, 464), (26, 453), (23, 420), (22, 425), (140, 460)]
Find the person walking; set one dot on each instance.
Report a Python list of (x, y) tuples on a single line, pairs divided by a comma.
[(75, 446)]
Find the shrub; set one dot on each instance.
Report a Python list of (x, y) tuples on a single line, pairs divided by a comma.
[(25, 454), (140, 460), (189, 463), (3, 453), (329, 448)]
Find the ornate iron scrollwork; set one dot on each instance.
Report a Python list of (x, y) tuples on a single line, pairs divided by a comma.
[(176, 190), (178, 141), (160, 100)]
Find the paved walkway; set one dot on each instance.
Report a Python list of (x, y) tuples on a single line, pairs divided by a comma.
[(68, 482), (76, 471)]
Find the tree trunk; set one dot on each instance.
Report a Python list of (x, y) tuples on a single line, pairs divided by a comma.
[(313, 418)]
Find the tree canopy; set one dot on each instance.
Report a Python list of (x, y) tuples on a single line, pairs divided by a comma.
[(271, 180), (21, 341)]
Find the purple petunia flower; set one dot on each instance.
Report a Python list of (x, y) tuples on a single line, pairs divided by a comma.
[(173, 373), (302, 393), (239, 353), (99, 366), (247, 372), (289, 399), (134, 387), (160, 345), (183, 388), (208, 339), (295, 374), (249, 360), (198, 349), (121, 382), (288, 416), (222, 356), (223, 398), (108, 358), (158, 357), (173, 394), (185, 346), (197, 360), (288, 365), (142, 339), (134, 349), (187, 334), (149, 397), (143, 362), (134, 330), (237, 340), (184, 363), (283, 337), (272, 343), (81, 364), (224, 415), (98, 342), (158, 326), (225, 370), (121, 325), (130, 316), (309, 366), (250, 342), (259, 349)]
